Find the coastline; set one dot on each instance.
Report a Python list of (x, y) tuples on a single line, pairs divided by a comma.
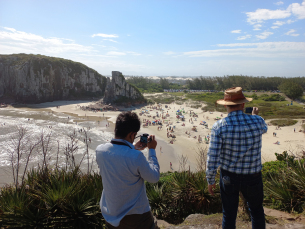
[(168, 153), (290, 140)]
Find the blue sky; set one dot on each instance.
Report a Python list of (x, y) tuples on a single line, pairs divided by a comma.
[(161, 38)]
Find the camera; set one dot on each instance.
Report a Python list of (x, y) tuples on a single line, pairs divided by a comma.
[(249, 110), (144, 138)]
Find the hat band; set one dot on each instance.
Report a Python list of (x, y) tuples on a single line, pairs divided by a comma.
[(232, 97)]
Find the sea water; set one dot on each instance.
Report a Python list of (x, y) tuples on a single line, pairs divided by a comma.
[(60, 126)]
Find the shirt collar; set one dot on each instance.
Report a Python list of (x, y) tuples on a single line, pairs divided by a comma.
[(122, 140), (239, 112)]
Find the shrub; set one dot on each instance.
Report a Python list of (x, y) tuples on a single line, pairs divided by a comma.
[(283, 122), (285, 183), (56, 199)]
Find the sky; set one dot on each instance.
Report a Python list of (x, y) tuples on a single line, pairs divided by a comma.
[(161, 37)]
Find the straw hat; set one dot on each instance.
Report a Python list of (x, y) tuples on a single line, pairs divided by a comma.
[(234, 96)]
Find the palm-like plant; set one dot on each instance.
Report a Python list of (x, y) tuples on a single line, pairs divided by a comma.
[(58, 199), (157, 199), (19, 209), (204, 202), (288, 187)]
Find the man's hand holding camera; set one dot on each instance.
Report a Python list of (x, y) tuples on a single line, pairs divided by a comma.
[(151, 143)]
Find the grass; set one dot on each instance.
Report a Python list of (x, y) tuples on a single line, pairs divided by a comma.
[(283, 122)]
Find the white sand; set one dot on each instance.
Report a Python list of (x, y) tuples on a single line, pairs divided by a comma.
[(290, 141)]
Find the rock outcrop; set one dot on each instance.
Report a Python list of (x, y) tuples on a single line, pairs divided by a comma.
[(38, 78), (119, 91)]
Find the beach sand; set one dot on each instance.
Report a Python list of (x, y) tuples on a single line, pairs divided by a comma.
[(290, 141)]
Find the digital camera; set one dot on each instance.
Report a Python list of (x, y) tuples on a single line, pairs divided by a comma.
[(144, 138), (249, 110)]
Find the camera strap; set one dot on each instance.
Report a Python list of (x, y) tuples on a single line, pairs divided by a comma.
[(120, 143)]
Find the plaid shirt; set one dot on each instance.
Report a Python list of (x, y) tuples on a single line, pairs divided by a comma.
[(236, 143)]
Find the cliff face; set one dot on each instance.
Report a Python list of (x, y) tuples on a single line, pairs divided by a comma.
[(37, 78), (119, 91)]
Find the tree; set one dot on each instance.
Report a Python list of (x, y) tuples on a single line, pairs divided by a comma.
[(164, 83), (291, 89)]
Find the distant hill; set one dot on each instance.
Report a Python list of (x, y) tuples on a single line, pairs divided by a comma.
[(32, 78)]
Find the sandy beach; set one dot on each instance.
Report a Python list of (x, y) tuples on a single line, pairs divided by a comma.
[(289, 138)]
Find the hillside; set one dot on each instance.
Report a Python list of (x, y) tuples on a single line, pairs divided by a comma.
[(29, 78)]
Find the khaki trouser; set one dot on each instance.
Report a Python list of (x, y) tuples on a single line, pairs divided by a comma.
[(136, 221)]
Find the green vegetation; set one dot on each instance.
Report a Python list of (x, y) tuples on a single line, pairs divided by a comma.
[(272, 97), (53, 199), (69, 198), (285, 184), (210, 99), (248, 83), (276, 110), (146, 85), (182, 194), (283, 122), (291, 89)]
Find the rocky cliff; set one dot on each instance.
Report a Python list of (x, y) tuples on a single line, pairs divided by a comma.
[(119, 91), (37, 78)]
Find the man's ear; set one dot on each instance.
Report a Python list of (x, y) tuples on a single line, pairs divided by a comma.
[(131, 136)]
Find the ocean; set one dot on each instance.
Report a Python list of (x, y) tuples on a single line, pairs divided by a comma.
[(59, 126)]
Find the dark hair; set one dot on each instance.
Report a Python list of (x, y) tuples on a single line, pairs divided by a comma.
[(126, 122)]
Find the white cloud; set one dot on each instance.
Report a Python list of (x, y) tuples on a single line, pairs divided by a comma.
[(298, 10), (264, 35), (10, 29), (257, 27), (134, 53), (291, 33), (260, 15), (264, 14), (13, 41), (235, 31), (279, 3), (113, 53), (289, 21), (262, 50), (105, 35), (169, 53), (110, 40), (279, 23), (244, 37)]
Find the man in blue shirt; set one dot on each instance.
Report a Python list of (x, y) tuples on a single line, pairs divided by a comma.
[(235, 147), (124, 203)]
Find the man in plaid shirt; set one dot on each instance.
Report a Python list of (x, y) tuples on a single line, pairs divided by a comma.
[(235, 147)]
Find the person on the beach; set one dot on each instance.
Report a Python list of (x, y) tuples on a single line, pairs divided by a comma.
[(235, 146), (123, 167)]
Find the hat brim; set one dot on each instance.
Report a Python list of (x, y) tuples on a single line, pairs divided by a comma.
[(235, 102)]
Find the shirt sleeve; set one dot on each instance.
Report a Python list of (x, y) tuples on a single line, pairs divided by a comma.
[(265, 128), (213, 156), (149, 169)]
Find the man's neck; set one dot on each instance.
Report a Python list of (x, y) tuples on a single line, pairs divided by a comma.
[(126, 139), (229, 110)]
